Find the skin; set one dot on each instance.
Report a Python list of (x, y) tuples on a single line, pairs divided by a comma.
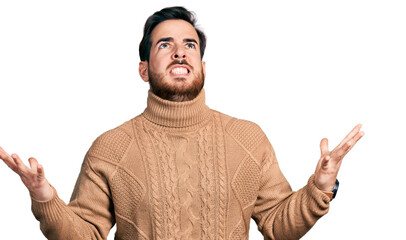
[(33, 177), (330, 161), (173, 41), (178, 45)]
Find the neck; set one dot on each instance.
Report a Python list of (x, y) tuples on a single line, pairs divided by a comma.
[(180, 98), (176, 114)]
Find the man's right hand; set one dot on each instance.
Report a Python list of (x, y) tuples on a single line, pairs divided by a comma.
[(33, 178)]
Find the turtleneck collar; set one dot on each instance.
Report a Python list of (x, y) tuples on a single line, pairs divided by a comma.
[(176, 114)]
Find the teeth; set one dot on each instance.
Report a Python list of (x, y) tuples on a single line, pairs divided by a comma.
[(179, 70)]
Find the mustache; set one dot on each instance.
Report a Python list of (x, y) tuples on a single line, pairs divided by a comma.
[(180, 62)]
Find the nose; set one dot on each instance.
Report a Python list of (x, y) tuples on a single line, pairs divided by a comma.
[(178, 53)]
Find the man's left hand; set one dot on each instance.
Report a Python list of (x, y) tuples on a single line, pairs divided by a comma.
[(330, 162)]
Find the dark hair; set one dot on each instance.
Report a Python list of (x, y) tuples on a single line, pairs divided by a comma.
[(163, 15)]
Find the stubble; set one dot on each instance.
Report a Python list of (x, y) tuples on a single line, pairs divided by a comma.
[(178, 91)]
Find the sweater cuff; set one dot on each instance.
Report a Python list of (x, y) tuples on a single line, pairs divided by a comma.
[(317, 197), (49, 210)]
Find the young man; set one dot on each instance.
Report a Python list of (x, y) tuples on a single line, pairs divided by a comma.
[(181, 170)]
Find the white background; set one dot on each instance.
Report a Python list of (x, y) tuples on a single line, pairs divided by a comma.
[(302, 70)]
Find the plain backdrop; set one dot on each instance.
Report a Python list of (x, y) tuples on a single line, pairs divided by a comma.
[(302, 70)]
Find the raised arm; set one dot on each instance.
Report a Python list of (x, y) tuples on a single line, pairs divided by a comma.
[(283, 214), (89, 215), (330, 162), (33, 178)]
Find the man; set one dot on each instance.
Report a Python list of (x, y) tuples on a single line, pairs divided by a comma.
[(181, 170)]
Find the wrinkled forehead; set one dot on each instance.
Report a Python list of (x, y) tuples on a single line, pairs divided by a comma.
[(174, 28)]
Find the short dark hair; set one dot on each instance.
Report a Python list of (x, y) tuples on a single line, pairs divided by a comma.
[(163, 15)]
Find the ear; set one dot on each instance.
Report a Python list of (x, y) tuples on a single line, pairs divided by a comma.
[(143, 70), (204, 68)]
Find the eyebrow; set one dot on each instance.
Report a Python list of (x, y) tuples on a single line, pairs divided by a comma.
[(190, 40), (170, 39)]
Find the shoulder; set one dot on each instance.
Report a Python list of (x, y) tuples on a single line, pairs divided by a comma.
[(246, 133), (251, 138), (113, 144)]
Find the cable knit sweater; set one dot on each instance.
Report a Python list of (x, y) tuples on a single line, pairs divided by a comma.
[(182, 171)]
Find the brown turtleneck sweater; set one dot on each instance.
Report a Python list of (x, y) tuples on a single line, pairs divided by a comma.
[(182, 171)]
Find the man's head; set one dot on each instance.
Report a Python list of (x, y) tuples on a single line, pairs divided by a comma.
[(171, 54)]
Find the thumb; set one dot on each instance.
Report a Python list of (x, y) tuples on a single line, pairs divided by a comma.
[(36, 167), (40, 171), (324, 162), (324, 146)]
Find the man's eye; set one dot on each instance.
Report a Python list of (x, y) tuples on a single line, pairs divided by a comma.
[(164, 45), (190, 45)]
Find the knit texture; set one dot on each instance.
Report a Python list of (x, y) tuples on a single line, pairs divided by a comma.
[(182, 171)]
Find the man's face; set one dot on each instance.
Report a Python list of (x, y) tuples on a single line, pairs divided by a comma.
[(175, 70)]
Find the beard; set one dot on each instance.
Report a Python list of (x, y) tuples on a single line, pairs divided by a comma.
[(178, 91)]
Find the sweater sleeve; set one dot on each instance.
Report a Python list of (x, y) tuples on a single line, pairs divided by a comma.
[(281, 213), (89, 215)]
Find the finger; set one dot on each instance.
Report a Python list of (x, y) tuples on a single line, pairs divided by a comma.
[(2, 153), (40, 171), (325, 162), (359, 136), (324, 146), (33, 164), (341, 152), (350, 144), (8, 160), (20, 165), (350, 135)]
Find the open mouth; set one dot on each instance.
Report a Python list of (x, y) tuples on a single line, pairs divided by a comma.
[(180, 71)]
